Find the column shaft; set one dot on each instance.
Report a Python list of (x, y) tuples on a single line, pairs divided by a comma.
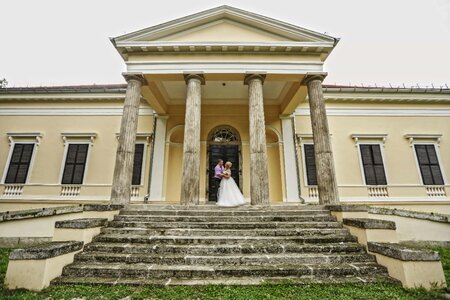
[(326, 176), (259, 176), (121, 186), (190, 180)]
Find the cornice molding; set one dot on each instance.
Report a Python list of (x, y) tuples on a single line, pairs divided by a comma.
[(63, 96), (70, 136), (69, 111), (386, 97), (358, 137), (382, 112), (420, 137), (35, 136), (126, 48)]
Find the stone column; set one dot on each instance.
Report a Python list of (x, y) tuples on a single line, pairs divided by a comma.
[(290, 160), (190, 180), (159, 151), (121, 186), (259, 176), (326, 176)]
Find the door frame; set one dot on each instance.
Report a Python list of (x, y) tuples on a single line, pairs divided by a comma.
[(210, 142)]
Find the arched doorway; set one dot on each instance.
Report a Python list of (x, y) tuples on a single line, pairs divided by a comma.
[(224, 143)]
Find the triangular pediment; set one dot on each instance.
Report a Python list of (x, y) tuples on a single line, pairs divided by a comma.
[(225, 24), (224, 30)]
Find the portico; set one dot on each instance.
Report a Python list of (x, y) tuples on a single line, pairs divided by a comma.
[(225, 67)]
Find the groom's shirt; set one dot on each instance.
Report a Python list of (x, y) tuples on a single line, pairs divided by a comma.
[(217, 171)]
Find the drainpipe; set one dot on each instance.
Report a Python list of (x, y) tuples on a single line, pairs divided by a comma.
[(152, 151), (297, 160)]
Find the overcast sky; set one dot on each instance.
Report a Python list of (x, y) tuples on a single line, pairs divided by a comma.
[(55, 42)]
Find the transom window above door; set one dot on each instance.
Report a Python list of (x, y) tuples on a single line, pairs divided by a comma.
[(224, 135)]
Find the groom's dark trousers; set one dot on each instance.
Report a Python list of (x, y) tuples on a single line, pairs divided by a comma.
[(217, 180)]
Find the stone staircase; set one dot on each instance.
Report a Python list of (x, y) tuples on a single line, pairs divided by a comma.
[(177, 245)]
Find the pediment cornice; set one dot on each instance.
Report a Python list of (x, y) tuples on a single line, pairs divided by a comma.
[(291, 38)]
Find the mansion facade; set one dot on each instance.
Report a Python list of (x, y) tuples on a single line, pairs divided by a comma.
[(225, 84)]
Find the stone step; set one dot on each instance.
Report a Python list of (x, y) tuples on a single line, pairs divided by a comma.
[(223, 225), (222, 260), (151, 207), (142, 270), (233, 219), (127, 238), (228, 232), (225, 212), (243, 248), (197, 245), (231, 281)]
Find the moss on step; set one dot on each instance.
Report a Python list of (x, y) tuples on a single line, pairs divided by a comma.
[(283, 290)]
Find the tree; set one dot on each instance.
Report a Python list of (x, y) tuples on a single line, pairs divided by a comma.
[(3, 83)]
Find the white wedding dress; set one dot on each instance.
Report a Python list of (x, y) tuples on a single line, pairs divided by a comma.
[(229, 193)]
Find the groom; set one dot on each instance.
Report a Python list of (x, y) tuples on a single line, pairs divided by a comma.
[(218, 170)]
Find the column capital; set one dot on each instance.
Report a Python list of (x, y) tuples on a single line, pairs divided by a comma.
[(282, 117), (313, 76), (162, 117), (200, 77), (249, 77), (135, 76)]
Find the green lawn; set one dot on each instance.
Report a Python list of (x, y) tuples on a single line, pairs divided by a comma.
[(281, 291), (445, 259)]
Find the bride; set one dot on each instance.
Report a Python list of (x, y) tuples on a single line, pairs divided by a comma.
[(229, 193)]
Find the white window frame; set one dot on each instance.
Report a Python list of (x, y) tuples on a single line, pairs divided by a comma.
[(371, 139), (76, 138), (306, 139), (438, 155), (22, 138)]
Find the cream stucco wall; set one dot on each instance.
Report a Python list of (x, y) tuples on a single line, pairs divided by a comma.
[(404, 183), (45, 172), (212, 117), (224, 30), (404, 180)]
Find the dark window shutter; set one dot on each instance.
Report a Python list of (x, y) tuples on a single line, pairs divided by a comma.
[(422, 156), (75, 164), (137, 165), (20, 163), (429, 165), (373, 166), (310, 162)]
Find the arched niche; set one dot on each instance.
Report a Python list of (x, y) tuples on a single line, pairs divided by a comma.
[(176, 135)]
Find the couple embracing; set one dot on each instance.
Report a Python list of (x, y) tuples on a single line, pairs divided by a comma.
[(228, 194)]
